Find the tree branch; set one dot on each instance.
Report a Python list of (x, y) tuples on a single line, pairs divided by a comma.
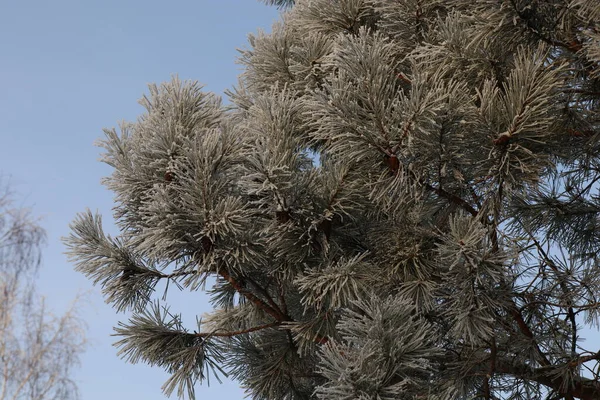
[(235, 333), (583, 359), (278, 315), (524, 328), (581, 388), (266, 294), (453, 199)]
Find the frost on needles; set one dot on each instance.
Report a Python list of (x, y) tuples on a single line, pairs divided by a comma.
[(401, 203)]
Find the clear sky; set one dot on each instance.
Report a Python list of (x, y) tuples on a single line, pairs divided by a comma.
[(70, 68)]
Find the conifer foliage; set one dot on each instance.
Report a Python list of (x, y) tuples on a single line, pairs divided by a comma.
[(401, 203)]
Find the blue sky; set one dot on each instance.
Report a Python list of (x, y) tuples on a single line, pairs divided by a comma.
[(70, 68)]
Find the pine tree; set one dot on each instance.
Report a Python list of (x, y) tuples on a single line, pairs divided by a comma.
[(280, 3), (402, 202)]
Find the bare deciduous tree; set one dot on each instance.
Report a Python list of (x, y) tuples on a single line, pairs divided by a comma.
[(37, 349)]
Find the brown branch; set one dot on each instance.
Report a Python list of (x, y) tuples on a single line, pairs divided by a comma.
[(278, 315), (583, 359), (235, 333), (574, 46), (275, 313), (581, 388), (580, 308), (486, 387), (525, 330), (453, 199), (280, 294), (264, 292), (403, 78), (492, 370)]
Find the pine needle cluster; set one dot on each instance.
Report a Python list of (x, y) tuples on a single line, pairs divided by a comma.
[(402, 202)]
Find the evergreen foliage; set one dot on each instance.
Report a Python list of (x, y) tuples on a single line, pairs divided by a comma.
[(401, 203), (280, 3)]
